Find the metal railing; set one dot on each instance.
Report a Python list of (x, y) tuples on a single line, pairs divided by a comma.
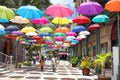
[(8, 61)]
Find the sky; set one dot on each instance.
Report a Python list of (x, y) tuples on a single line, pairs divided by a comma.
[(62, 2)]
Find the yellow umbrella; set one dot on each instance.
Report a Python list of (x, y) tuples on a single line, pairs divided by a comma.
[(28, 29), (59, 20), (19, 20)]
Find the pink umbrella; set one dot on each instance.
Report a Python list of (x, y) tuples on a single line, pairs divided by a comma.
[(59, 10), (42, 20), (71, 34), (59, 38)]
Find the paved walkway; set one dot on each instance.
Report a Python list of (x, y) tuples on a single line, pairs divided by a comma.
[(64, 72)]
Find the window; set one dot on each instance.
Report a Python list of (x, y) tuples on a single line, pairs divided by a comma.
[(104, 47)]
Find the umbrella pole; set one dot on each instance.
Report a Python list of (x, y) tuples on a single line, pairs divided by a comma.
[(118, 23)]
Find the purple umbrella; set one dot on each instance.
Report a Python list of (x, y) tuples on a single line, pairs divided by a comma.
[(90, 8), (18, 32)]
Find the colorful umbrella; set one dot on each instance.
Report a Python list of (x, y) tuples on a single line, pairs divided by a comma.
[(90, 8), (47, 38), (31, 34), (36, 37), (11, 28), (46, 30), (81, 20), (62, 29), (42, 20), (78, 38), (70, 38), (84, 33), (100, 18), (2, 32), (59, 10), (82, 36), (59, 38), (59, 20), (44, 34), (71, 34), (19, 20), (29, 11), (18, 32), (6, 13), (94, 27), (2, 27), (28, 29), (79, 29), (58, 34), (4, 20)]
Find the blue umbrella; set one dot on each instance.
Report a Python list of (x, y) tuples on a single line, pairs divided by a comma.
[(2, 32), (11, 28), (29, 11), (4, 20), (79, 29), (44, 34), (100, 18)]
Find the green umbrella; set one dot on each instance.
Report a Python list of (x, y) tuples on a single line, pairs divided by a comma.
[(47, 38), (58, 34), (6, 13), (46, 30)]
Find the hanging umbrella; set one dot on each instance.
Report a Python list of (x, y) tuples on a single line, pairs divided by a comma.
[(19, 20), (70, 38), (31, 34), (100, 18), (82, 36), (4, 20), (71, 34), (78, 38), (28, 29), (18, 32), (58, 34), (11, 28), (2, 27), (46, 30), (59, 38), (6, 13), (29, 11), (84, 33), (59, 10), (90, 8), (2, 32), (47, 38), (81, 20), (36, 37), (42, 20), (44, 34), (62, 29), (94, 27), (59, 20), (79, 29)]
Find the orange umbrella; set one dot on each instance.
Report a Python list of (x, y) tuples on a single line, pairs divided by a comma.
[(62, 29), (113, 5)]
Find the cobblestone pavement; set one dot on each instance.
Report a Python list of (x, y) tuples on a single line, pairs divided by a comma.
[(64, 72)]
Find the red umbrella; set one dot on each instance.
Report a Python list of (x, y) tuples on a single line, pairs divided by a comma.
[(94, 27), (59, 10), (42, 20), (62, 29), (36, 37), (81, 20)]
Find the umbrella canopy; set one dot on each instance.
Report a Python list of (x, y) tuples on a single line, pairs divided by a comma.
[(6, 13), (18, 32), (29, 11), (46, 30), (4, 20), (81, 20), (113, 5), (79, 29), (47, 38), (84, 33), (90, 8), (94, 27), (59, 10), (100, 18), (59, 20), (31, 34), (71, 34), (59, 38), (11, 28), (19, 20), (2, 32), (2, 27), (36, 37), (70, 38), (28, 29), (78, 38), (44, 34), (58, 34), (42, 20), (62, 29), (82, 36)]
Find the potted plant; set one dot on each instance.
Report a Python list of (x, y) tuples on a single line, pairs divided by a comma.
[(85, 65), (100, 63), (74, 61)]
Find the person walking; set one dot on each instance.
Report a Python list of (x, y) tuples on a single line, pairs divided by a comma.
[(54, 63), (42, 62)]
